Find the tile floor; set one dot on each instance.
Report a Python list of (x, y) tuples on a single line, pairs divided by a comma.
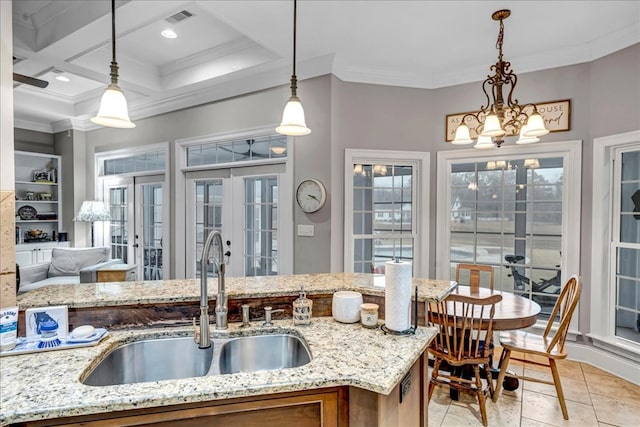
[(594, 398)]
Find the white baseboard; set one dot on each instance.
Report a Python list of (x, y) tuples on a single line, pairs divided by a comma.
[(607, 361)]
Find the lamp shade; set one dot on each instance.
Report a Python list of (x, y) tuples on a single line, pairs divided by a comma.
[(531, 163), (526, 139), (293, 123), (535, 126), (484, 143), (462, 136), (492, 126), (113, 110), (93, 210)]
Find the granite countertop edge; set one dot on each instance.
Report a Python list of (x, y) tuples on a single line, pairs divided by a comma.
[(47, 385), (110, 294)]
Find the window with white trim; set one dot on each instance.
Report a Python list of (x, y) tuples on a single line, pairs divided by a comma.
[(615, 252), (385, 210), (516, 209)]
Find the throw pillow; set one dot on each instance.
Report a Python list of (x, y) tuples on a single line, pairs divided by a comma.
[(69, 261)]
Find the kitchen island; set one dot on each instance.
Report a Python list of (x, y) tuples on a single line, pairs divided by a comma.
[(355, 377)]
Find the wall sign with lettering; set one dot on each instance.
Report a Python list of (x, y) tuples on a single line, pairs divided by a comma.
[(556, 115)]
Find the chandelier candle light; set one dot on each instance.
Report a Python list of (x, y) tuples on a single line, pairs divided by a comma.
[(293, 122), (497, 119), (113, 110)]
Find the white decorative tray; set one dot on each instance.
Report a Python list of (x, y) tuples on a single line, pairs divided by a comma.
[(25, 346)]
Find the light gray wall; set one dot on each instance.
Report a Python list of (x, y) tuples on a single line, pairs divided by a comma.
[(260, 109), (31, 140)]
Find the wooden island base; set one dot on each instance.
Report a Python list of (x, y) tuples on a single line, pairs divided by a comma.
[(328, 407)]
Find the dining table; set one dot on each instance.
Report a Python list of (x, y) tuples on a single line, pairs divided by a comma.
[(513, 312)]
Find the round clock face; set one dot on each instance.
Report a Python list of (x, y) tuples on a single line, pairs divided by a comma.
[(311, 195)]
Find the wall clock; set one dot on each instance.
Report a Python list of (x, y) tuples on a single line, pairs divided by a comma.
[(311, 195)]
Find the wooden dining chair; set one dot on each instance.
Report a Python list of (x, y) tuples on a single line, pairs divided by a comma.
[(463, 342), (548, 345), (474, 274)]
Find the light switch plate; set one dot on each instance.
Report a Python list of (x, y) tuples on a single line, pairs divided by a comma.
[(306, 230)]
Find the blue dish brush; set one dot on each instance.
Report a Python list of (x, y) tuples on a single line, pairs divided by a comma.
[(49, 342)]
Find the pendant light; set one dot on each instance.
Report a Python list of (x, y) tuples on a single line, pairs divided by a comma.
[(293, 123), (113, 110)]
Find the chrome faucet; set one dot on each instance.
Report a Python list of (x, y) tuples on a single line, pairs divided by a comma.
[(201, 335)]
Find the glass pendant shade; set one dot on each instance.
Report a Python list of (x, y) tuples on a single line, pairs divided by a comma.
[(484, 143), (492, 126), (535, 126), (293, 123), (531, 163), (522, 139), (113, 110), (462, 136)]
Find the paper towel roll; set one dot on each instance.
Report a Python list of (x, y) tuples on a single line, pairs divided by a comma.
[(397, 295)]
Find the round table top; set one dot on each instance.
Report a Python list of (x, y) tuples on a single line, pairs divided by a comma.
[(513, 312)]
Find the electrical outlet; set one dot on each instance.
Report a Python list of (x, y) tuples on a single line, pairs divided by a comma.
[(306, 230)]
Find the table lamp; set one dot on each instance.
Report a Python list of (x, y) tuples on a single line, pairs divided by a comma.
[(92, 211)]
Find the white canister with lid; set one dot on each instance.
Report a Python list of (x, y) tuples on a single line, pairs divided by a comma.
[(345, 306)]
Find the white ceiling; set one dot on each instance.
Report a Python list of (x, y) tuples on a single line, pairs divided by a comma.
[(232, 47)]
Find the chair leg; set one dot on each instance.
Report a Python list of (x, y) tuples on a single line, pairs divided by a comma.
[(487, 369), (481, 395), (434, 375), (504, 365), (556, 382)]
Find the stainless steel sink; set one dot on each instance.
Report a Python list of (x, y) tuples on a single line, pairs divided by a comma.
[(175, 358), (262, 353), (152, 360)]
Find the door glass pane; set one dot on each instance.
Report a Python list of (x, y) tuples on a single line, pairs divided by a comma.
[(151, 227), (119, 223), (208, 214), (261, 231)]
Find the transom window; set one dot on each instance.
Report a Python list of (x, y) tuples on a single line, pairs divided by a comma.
[(237, 150)]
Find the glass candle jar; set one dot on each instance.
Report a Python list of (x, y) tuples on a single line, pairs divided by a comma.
[(369, 315)]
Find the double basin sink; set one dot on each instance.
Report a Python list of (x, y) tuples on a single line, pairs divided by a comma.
[(175, 358)]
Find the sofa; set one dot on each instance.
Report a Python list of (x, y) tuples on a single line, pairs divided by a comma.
[(68, 266)]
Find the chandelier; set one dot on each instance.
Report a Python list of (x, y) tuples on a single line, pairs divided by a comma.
[(501, 117)]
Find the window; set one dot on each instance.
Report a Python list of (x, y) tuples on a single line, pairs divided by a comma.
[(508, 214), (153, 161), (237, 150), (516, 209), (386, 210), (615, 276)]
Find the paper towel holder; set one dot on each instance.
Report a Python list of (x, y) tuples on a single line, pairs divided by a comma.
[(411, 330)]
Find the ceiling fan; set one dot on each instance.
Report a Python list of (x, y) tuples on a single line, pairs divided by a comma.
[(21, 78)]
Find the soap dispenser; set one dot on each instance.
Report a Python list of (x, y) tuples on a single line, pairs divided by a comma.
[(302, 309)]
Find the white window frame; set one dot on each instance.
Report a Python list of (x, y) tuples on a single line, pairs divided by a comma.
[(420, 162), (602, 322), (571, 151)]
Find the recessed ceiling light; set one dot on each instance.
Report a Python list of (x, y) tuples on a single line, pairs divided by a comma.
[(62, 78), (169, 34)]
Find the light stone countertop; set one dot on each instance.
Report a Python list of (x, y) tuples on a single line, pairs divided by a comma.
[(47, 385), (171, 291)]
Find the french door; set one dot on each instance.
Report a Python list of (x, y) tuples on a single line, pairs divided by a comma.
[(138, 231), (249, 210)]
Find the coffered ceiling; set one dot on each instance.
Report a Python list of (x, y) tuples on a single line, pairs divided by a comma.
[(227, 48)]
